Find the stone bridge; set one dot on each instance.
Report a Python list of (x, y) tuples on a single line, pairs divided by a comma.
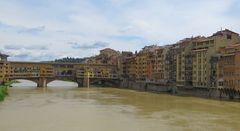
[(43, 73)]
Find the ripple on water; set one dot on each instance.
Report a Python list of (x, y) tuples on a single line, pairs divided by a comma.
[(113, 109)]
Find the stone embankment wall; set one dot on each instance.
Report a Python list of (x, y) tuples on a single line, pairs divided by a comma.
[(143, 86), (171, 89)]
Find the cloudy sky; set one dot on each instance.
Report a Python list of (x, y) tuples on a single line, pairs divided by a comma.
[(47, 29)]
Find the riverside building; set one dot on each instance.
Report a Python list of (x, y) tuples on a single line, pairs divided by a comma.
[(4, 67), (229, 67), (202, 51)]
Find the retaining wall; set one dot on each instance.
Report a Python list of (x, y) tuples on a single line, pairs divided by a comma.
[(171, 89)]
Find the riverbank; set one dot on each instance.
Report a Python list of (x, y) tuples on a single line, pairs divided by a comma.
[(211, 93), (3, 92), (4, 89)]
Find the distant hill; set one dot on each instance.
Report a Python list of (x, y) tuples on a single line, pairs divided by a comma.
[(71, 60)]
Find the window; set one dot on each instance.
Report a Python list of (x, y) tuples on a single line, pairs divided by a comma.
[(229, 36), (220, 83)]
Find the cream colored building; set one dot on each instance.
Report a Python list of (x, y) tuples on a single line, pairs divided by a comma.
[(203, 49)]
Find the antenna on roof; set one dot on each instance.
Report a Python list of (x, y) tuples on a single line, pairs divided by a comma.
[(221, 28)]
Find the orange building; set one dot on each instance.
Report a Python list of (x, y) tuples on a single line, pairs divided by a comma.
[(145, 63)]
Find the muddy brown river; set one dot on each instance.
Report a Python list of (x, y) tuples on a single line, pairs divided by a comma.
[(67, 108)]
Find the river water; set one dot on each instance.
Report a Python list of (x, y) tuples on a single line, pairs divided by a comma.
[(67, 108)]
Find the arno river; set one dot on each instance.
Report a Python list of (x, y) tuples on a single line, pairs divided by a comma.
[(67, 108)]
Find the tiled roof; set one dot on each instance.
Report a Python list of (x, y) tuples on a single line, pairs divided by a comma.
[(224, 31)]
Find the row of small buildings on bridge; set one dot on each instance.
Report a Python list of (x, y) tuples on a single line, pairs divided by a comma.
[(34, 71), (203, 62), (3, 65)]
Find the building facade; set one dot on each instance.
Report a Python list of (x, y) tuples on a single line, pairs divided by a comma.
[(145, 62), (229, 66), (124, 63), (131, 68), (203, 48), (4, 68), (184, 62), (171, 63), (201, 62), (160, 73), (106, 56)]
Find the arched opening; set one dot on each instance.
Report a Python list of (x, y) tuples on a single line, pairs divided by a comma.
[(56, 84), (103, 83), (24, 84)]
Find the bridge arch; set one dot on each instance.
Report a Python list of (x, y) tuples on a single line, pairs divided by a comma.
[(25, 83), (61, 83), (104, 82)]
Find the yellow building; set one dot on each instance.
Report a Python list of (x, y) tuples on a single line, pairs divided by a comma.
[(159, 67), (141, 66), (30, 70), (4, 68), (2, 72)]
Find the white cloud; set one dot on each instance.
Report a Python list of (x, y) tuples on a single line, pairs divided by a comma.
[(125, 24)]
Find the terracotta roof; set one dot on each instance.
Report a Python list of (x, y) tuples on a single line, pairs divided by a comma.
[(107, 49), (224, 31)]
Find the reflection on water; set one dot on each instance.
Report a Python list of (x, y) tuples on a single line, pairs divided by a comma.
[(66, 107)]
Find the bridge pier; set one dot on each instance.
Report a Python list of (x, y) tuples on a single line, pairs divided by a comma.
[(83, 82), (42, 82), (86, 81), (80, 83)]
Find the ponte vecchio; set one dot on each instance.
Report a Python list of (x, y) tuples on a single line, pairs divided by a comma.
[(43, 73)]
